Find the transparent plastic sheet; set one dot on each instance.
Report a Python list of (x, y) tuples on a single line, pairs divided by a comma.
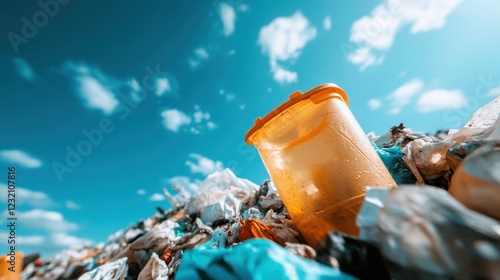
[(424, 231), (254, 259), (226, 208), (219, 185), (115, 270), (427, 158), (156, 269)]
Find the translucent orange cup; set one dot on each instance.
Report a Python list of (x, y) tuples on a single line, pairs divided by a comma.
[(319, 159), (11, 266)]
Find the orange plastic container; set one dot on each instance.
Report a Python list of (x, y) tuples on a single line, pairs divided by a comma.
[(319, 159), (11, 266)]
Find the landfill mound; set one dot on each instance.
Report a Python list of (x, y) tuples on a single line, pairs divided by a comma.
[(441, 223)]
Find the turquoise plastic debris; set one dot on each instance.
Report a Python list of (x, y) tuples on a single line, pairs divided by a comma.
[(253, 259), (393, 160)]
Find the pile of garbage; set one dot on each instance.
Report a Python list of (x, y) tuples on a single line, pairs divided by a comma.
[(442, 222)]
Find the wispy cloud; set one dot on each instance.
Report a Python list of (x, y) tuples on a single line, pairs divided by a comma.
[(283, 40), (402, 96), (228, 96), (374, 103), (374, 34), (203, 164), (96, 89), (157, 197), (166, 86), (174, 120), (72, 205), (18, 157), (199, 56), (440, 99), (50, 221), (228, 17), (64, 240), (23, 69), (327, 23), (141, 192), (494, 92), (29, 197)]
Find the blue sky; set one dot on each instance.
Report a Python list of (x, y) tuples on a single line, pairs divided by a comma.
[(104, 104)]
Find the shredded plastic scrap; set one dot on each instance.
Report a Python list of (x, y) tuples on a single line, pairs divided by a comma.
[(426, 231)]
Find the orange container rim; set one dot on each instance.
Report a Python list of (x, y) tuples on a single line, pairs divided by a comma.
[(317, 94)]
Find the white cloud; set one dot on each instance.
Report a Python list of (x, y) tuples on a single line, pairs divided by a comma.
[(157, 197), (96, 89), (327, 23), (96, 95), (211, 125), (283, 76), (242, 107), (283, 40), (30, 240), (64, 240), (23, 69), (162, 86), (173, 119), (203, 164), (141, 192), (243, 8), (374, 34), (374, 103), (229, 96), (494, 92), (185, 182), (403, 95), (72, 205), (46, 220), (200, 116), (231, 52), (228, 17), (28, 197), (440, 99), (19, 157), (199, 55)]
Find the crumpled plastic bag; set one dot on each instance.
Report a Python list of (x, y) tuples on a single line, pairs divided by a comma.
[(157, 237), (115, 270), (270, 198), (424, 229), (257, 259), (226, 208), (282, 227), (393, 159), (217, 186), (253, 228), (156, 269), (427, 158), (301, 250)]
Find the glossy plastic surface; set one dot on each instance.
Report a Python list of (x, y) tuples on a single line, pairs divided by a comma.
[(320, 161)]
